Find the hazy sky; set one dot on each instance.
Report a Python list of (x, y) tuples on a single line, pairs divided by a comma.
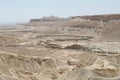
[(24, 10)]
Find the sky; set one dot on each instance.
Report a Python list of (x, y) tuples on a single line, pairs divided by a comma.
[(15, 11)]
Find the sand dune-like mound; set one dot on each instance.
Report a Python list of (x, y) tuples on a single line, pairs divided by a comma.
[(20, 67), (101, 69)]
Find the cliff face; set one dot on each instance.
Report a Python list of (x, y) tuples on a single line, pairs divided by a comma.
[(47, 19), (102, 25), (104, 18)]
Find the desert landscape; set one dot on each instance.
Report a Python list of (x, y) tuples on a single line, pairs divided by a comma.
[(53, 48)]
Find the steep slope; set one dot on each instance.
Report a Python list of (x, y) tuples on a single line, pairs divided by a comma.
[(112, 31), (105, 18)]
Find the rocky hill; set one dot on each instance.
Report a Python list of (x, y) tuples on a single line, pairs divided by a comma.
[(105, 18)]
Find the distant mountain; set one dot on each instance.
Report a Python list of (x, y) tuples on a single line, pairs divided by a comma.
[(104, 18)]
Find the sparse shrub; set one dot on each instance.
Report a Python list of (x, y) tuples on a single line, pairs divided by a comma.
[(76, 46)]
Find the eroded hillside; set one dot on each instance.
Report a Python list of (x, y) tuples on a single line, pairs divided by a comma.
[(52, 48)]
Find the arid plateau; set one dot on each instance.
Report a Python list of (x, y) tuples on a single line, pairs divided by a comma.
[(53, 48)]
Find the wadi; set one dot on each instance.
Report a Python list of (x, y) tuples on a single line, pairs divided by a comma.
[(53, 48)]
